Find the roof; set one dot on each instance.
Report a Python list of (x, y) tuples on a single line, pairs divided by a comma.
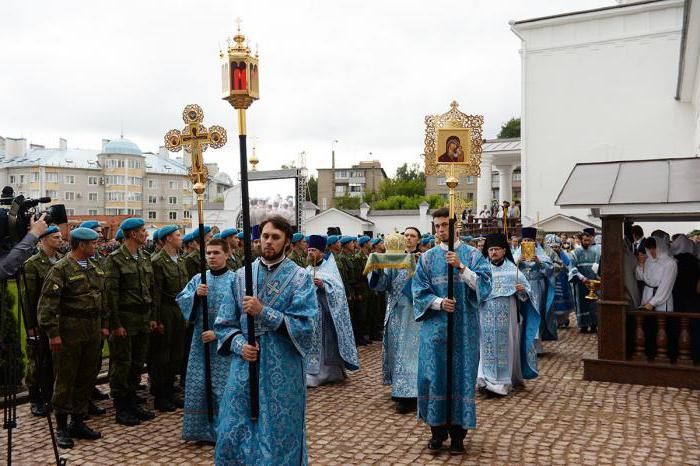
[(499, 145), (121, 146), (344, 212), (568, 218), (656, 187), (583, 12)]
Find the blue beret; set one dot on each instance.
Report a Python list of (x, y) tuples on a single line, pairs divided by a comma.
[(83, 234), (90, 224), (50, 231), (119, 235), (296, 237), (240, 235), (156, 235), (195, 233), (425, 240), (228, 232), (306, 238), (217, 236), (332, 239), (187, 238), (376, 241), (166, 230), (347, 239), (131, 223), (362, 239), (255, 232)]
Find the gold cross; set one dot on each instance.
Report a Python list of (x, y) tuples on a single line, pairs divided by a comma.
[(195, 138)]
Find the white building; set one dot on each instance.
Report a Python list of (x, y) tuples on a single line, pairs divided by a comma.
[(614, 83)]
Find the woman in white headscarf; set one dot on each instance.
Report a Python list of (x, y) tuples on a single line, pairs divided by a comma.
[(658, 272)]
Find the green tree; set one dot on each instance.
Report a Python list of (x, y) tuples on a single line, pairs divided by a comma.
[(510, 129), (409, 173), (408, 181), (312, 189), (348, 202), (401, 202)]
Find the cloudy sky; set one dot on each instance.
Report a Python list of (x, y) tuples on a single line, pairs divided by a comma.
[(364, 72)]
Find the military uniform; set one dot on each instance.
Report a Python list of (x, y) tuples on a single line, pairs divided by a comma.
[(362, 295), (71, 306), (36, 268), (129, 290), (346, 267), (192, 264), (298, 258), (167, 349), (234, 262)]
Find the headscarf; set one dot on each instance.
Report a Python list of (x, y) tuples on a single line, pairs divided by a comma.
[(682, 245), (662, 244)]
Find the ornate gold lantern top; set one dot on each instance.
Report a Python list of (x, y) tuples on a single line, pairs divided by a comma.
[(239, 73), (395, 243)]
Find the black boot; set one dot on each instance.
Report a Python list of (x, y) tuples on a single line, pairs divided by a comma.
[(439, 436), (98, 394), (78, 429), (62, 435), (123, 413), (94, 410), (37, 406), (177, 400), (162, 401), (457, 435), (138, 412), (405, 405)]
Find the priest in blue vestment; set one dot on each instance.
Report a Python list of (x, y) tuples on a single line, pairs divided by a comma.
[(509, 323), (472, 282), (333, 349), (563, 298), (285, 310), (218, 293), (585, 262), (539, 271), (401, 331)]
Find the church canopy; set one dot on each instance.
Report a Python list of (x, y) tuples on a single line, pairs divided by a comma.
[(654, 189)]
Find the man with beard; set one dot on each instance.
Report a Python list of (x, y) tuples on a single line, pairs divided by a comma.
[(285, 309), (508, 353), (585, 262), (400, 343), (472, 282), (333, 348)]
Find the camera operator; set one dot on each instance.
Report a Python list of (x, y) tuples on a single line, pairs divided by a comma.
[(20, 252)]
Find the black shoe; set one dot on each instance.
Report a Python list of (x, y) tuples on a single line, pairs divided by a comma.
[(38, 408), (123, 414), (62, 435), (94, 410), (140, 413), (164, 404), (98, 394), (583, 330), (406, 406), (435, 445), (594, 329), (78, 429), (457, 447), (177, 401)]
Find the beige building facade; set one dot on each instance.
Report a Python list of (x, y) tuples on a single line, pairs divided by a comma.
[(361, 180)]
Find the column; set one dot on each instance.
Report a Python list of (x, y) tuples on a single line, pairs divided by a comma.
[(505, 183), (483, 192)]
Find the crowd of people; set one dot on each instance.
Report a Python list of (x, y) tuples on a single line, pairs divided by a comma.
[(315, 300)]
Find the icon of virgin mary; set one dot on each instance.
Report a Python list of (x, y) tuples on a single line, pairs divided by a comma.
[(453, 151)]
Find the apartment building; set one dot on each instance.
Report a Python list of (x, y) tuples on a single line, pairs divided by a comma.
[(361, 180)]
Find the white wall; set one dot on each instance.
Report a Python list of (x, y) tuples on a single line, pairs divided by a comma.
[(398, 223), (599, 87), (331, 218)]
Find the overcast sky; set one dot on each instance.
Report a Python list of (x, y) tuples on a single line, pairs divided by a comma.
[(364, 72)]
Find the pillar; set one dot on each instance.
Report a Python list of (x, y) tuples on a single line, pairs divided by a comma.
[(483, 193), (505, 183)]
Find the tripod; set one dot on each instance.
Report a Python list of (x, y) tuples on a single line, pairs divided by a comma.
[(12, 351)]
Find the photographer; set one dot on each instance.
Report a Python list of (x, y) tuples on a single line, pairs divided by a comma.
[(20, 252)]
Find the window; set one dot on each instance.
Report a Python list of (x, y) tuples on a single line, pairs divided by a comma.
[(115, 163), (70, 212), (138, 212), (135, 181), (340, 189), (92, 197), (355, 188), (135, 197), (172, 200), (152, 184), (134, 164), (21, 179), (152, 215), (92, 212), (36, 176), (172, 184), (92, 180), (470, 180), (52, 177), (13, 179), (152, 199), (114, 196), (115, 211), (186, 184), (172, 215), (51, 193), (69, 179), (187, 214), (115, 179)]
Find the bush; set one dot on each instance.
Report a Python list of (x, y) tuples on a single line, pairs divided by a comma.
[(400, 202)]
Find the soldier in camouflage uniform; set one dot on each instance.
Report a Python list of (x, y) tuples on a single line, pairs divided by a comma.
[(347, 268), (73, 315), (370, 297), (298, 252), (36, 269), (129, 276), (362, 291), (376, 315), (168, 340), (192, 262)]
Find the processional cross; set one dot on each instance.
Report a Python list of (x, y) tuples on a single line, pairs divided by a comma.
[(195, 139)]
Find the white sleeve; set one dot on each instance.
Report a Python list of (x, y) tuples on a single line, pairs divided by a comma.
[(436, 304), (665, 290), (639, 272), (469, 277)]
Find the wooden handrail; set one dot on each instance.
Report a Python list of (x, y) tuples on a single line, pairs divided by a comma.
[(689, 315)]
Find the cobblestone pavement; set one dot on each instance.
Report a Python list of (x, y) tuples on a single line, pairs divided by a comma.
[(556, 419)]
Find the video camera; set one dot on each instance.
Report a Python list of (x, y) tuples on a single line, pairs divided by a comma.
[(16, 220)]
